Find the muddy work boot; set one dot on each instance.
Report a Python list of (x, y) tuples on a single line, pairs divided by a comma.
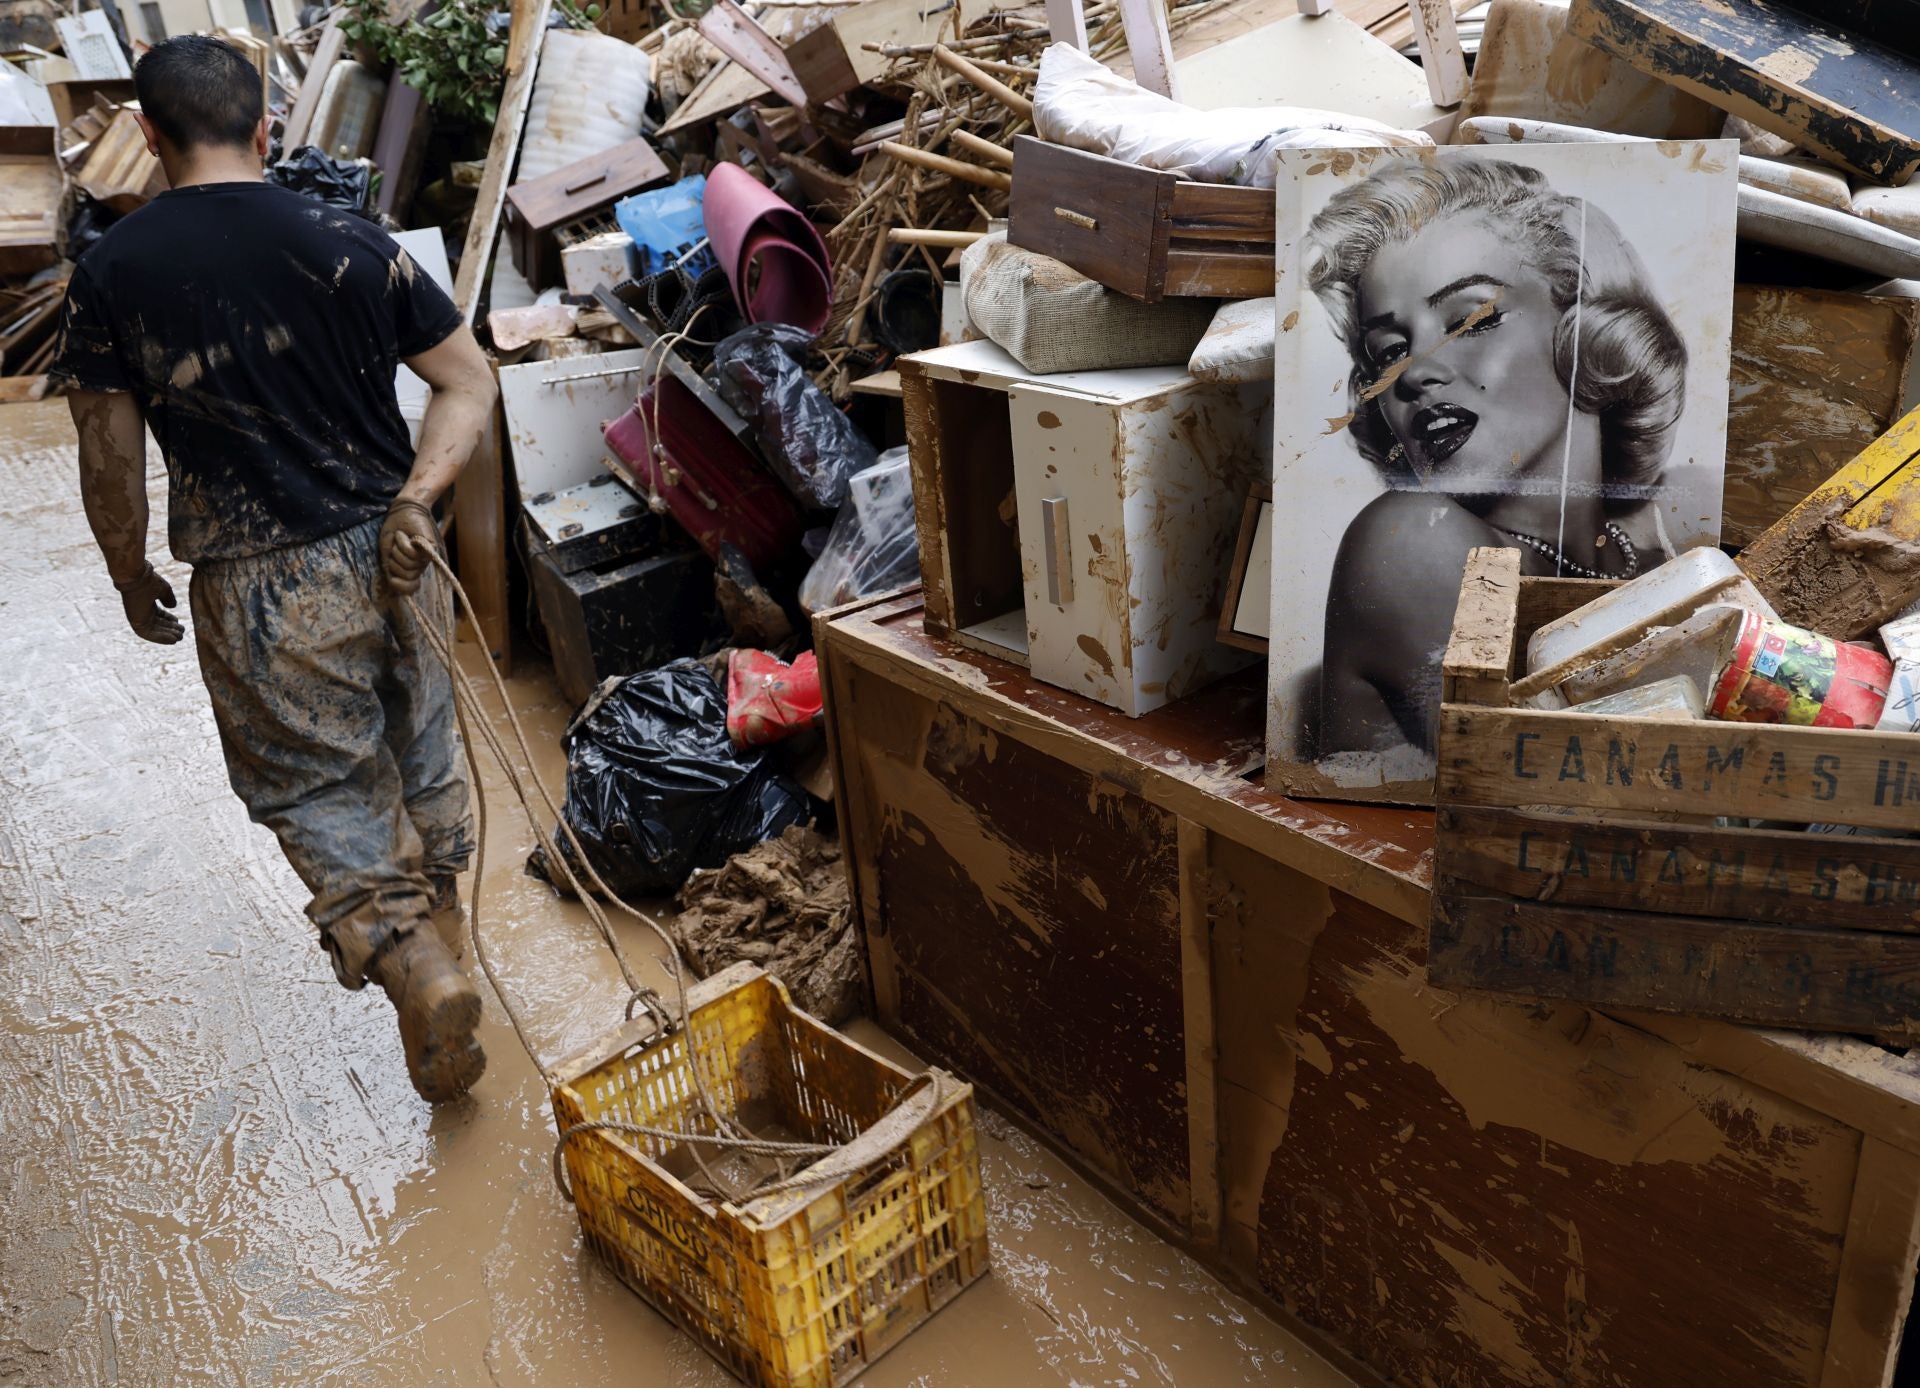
[(439, 1009), (449, 917)]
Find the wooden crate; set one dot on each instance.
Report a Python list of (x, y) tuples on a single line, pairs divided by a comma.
[(1138, 230), (1575, 856), (1214, 1001)]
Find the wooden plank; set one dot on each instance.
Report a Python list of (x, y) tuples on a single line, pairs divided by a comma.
[(1196, 992), (1479, 657), (119, 170), (1438, 37), (1150, 46), (1218, 274), (833, 59), (526, 37), (1200, 206), (1770, 975), (960, 450), (1817, 376), (480, 524), (1870, 1306), (733, 31), (1067, 23), (1507, 757), (1846, 98), (856, 810), (1847, 558), (1856, 882), (326, 53), (30, 192)]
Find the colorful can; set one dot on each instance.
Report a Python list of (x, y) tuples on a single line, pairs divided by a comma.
[(1786, 674)]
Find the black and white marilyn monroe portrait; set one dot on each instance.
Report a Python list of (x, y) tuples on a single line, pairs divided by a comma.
[(1515, 382)]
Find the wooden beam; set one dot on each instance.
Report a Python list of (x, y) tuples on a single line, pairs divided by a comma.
[(325, 54), (526, 37), (1196, 991), (479, 510), (1439, 39), (987, 83), (735, 33), (1150, 45), (1067, 23), (952, 168), (986, 149)]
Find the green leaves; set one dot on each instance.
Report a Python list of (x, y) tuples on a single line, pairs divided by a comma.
[(449, 57)]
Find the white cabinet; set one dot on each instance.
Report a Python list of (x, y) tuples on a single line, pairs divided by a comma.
[(1083, 523)]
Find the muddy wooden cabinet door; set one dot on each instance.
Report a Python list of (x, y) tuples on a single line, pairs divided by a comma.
[(1082, 523)]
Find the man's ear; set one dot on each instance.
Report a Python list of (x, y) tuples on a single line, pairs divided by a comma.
[(153, 136), (261, 144)]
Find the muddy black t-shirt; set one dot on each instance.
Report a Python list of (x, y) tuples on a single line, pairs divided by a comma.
[(259, 330)]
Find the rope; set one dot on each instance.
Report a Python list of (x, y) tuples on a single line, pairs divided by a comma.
[(471, 718), (730, 1136)]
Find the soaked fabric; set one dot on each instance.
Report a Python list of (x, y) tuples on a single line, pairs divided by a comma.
[(336, 719), (259, 331)]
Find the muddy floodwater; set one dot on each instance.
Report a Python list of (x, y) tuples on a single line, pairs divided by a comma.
[(212, 1167)]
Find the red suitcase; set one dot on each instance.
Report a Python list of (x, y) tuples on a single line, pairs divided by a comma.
[(718, 491)]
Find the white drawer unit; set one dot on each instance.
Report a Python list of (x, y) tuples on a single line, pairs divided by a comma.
[(1082, 524)]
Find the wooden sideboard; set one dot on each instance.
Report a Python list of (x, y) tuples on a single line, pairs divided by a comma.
[(1214, 1000)]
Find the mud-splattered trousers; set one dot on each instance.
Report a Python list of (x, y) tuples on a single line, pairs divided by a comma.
[(337, 721)]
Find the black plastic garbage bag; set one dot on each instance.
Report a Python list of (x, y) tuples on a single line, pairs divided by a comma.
[(656, 788), (811, 445), (336, 182)]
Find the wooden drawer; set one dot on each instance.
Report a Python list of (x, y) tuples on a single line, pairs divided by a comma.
[(1575, 855), (538, 210), (1140, 231)]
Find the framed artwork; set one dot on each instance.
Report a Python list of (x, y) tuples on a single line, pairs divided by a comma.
[(1524, 346), (1243, 613)]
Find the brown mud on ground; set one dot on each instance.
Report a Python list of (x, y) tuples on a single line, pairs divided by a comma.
[(212, 1167)]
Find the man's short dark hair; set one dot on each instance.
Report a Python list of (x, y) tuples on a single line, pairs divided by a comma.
[(198, 90)]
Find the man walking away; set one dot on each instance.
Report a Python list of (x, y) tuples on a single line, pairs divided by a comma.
[(255, 332)]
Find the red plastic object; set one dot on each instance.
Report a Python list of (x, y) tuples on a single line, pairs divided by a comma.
[(1786, 674), (712, 486), (773, 256), (769, 700)]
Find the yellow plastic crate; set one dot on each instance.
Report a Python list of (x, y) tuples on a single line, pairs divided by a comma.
[(801, 1289)]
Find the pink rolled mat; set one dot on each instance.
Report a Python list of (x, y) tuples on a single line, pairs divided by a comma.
[(751, 228)]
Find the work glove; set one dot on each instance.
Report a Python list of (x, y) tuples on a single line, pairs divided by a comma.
[(144, 597), (408, 541)]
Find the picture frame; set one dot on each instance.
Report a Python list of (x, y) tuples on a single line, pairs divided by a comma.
[(1432, 396)]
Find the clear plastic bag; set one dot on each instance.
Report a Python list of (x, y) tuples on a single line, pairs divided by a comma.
[(872, 546), (810, 444)]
